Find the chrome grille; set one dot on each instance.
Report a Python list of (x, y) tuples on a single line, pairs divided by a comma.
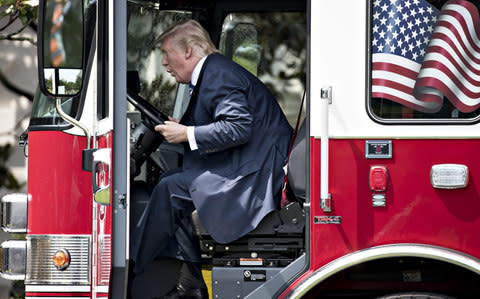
[(105, 260), (40, 268)]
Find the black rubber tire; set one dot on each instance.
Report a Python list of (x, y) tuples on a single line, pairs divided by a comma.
[(415, 295)]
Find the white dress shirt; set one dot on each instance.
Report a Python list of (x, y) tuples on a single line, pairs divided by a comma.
[(190, 129)]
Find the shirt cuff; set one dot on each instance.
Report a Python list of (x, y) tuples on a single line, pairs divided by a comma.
[(191, 138)]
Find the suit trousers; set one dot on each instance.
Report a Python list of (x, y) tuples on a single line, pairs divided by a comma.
[(165, 230)]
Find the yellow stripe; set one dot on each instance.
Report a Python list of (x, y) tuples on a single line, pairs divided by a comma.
[(207, 277)]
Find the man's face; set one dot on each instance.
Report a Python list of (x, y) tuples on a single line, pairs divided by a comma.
[(175, 60)]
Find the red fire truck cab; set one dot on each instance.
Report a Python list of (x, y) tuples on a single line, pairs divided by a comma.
[(383, 194)]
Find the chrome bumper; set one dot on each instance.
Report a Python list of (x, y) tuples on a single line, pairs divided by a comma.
[(13, 252)]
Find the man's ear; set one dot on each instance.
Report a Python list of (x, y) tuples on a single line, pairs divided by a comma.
[(188, 52)]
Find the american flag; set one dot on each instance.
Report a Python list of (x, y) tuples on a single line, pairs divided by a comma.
[(421, 55)]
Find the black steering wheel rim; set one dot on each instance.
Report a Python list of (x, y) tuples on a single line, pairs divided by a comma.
[(148, 110)]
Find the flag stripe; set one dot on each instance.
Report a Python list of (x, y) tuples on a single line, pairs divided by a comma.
[(451, 64), (392, 59), (450, 33), (442, 47), (442, 61), (395, 68), (433, 103), (469, 15), (449, 84), (403, 89), (448, 93)]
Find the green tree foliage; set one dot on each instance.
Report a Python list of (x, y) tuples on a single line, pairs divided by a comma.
[(12, 10), (7, 180)]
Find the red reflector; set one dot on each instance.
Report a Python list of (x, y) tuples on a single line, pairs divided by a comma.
[(378, 178)]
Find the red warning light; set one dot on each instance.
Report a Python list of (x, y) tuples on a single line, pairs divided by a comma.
[(378, 178)]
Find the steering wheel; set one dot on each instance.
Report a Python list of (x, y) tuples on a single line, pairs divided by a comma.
[(148, 110), (146, 139)]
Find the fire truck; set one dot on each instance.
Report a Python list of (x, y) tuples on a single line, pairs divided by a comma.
[(383, 193)]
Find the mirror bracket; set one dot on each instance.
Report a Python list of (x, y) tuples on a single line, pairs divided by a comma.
[(72, 121), (87, 159)]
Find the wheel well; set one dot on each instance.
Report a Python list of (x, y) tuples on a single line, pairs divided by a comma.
[(385, 276)]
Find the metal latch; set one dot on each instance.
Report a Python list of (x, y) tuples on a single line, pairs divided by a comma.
[(326, 203), (326, 94)]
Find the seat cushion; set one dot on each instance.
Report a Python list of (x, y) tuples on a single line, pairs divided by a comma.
[(266, 227)]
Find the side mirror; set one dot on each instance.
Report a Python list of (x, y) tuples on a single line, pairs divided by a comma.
[(61, 47), (239, 41)]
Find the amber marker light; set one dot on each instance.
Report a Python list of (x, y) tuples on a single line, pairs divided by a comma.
[(61, 259)]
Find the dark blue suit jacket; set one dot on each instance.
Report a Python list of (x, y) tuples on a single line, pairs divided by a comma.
[(243, 137)]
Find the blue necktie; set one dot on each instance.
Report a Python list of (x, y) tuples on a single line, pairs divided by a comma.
[(187, 118), (191, 87)]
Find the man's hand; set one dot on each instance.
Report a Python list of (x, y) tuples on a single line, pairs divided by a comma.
[(173, 131)]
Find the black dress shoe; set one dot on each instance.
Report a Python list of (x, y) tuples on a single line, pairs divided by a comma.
[(173, 294), (185, 293), (182, 293)]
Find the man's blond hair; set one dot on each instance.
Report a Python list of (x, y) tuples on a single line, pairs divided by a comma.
[(189, 33)]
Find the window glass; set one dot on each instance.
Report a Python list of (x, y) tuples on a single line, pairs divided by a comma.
[(425, 60), (146, 74), (44, 112), (272, 46)]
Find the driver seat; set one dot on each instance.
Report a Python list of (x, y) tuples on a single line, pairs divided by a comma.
[(278, 239)]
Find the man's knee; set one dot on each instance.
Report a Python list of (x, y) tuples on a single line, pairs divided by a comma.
[(173, 184)]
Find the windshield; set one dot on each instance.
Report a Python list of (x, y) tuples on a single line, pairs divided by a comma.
[(425, 60), (146, 74)]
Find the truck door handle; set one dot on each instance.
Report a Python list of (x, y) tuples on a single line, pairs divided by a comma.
[(101, 175)]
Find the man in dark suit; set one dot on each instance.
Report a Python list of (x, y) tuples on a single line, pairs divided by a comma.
[(236, 141)]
